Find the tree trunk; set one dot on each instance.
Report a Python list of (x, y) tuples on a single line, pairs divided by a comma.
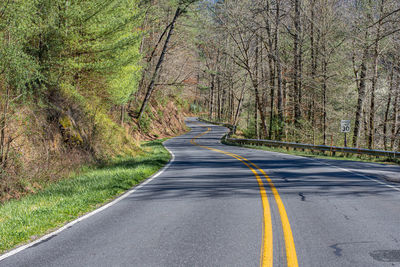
[(271, 68), (365, 125), (256, 130), (313, 70), (395, 113), (224, 110), (385, 122), (279, 72), (296, 67), (219, 108), (122, 114), (150, 87), (3, 125), (272, 96), (260, 108), (285, 97), (255, 81), (232, 102), (373, 86), (324, 89), (324, 83), (212, 97), (361, 97), (239, 107)]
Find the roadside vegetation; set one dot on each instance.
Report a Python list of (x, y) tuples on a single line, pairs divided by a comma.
[(32, 216), (74, 76)]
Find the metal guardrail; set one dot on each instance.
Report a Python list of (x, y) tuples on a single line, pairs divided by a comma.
[(333, 149)]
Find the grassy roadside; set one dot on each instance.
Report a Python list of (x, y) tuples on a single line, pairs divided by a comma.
[(35, 215), (321, 155)]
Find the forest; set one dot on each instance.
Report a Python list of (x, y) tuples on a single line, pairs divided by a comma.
[(85, 81), (292, 70)]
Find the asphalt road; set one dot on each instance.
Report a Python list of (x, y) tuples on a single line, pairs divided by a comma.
[(213, 206)]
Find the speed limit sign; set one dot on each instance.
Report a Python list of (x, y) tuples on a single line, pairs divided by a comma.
[(345, 126)]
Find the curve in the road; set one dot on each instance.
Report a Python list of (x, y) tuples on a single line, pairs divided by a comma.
[(266, 255), (206, 210), (267, 247)]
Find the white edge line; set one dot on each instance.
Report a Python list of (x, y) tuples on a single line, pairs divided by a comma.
[(359, 174), (346, 170), (90, 214), (340, 168)]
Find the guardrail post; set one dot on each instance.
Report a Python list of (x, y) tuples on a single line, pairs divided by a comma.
[(332, 152)]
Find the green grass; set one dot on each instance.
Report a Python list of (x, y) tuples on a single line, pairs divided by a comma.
[(35, 215), (322, 155)]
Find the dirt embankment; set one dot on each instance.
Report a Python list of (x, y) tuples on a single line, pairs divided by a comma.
[(46, 149), (165, 121)]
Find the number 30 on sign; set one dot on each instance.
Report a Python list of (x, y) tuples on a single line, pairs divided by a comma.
[(345, 126)]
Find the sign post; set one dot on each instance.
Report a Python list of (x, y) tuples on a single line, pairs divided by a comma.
[(345, 128)]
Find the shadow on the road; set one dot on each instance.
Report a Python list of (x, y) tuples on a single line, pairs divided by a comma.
[(202, 177), (200, 173)]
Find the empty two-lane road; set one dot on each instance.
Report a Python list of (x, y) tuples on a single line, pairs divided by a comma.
[(220, 205)]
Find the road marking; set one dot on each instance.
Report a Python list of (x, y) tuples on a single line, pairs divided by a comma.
[(291, 255), (358, 174), (266, 255), (322, 161), (90, 214)]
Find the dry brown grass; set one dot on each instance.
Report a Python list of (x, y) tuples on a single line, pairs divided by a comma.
[(40, 155), (167, 121), (37, 155)]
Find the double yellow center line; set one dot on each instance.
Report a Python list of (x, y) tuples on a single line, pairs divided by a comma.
[(266, 257)]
